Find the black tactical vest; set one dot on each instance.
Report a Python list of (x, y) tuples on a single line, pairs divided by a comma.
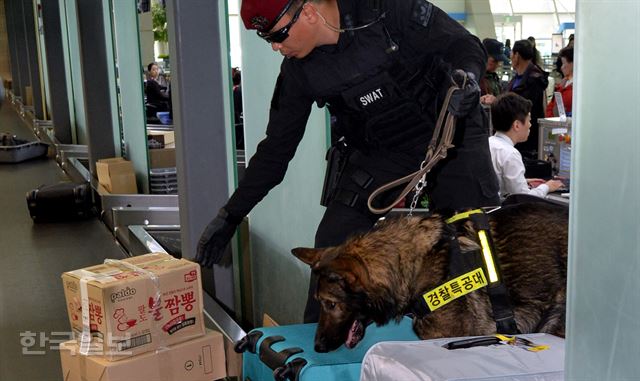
[(381, 98)]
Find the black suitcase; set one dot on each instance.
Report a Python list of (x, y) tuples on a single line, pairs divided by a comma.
[(60, 202)]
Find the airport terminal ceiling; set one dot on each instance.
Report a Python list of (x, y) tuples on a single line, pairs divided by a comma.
[(513, 19)]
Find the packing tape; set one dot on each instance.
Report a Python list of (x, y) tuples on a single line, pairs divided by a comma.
[(163, 361), (85, 337), (162, 351), (85, 278), (157, 293)]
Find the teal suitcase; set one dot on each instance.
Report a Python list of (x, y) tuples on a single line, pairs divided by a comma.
[(286, 353)]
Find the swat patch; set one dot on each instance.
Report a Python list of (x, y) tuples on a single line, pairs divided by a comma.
[(371, 97), (421, 12)]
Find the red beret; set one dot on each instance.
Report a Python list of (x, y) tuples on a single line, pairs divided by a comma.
[(263, 14)]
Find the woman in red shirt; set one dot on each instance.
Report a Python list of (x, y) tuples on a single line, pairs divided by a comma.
[(565, 87)]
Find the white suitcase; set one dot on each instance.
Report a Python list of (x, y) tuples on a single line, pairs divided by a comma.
[(427, 360)]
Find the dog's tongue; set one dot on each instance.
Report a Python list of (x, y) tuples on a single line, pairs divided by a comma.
[(356, 332)]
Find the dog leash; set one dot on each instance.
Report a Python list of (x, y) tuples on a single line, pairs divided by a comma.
[(436, 151)]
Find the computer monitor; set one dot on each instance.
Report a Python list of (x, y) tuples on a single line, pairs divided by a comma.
[(554, 144)]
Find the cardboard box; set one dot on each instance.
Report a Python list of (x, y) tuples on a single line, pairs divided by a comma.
[(128, 313), (234, 360), (162, 158), (268, 321), (200, 359), (116, 175), (167, 138)]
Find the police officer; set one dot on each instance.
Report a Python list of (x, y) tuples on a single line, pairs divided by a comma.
[(383, 69)]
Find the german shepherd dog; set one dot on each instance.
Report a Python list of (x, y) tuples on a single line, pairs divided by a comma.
[(377, 276)]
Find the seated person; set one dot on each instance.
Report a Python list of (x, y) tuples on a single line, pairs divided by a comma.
[(511, 116), (157, 94), (565, 87)]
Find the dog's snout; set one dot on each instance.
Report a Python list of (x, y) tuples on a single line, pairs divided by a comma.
[(320, 347)]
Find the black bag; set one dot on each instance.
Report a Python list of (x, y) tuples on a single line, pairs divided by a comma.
[(60, 202), (538, 169)]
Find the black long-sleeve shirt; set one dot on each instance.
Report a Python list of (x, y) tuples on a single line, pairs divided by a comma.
[(156, 94), (421, 31)]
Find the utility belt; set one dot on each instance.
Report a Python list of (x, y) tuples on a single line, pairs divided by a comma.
[(346, 183)]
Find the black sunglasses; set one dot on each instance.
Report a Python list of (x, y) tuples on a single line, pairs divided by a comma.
[(283, 33)]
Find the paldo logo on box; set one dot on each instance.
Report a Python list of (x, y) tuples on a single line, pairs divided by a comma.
[(125, 292)]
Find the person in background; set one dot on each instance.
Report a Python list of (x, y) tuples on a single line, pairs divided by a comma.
[(536, 53), (382, 69), (490, 84), (565, 87), (511, 117), (507, 49), (530, 81), (559, 60), (1, 91), (236, 78), (157, 93)]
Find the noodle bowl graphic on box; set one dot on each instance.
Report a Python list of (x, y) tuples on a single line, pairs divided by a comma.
[(124, 323)]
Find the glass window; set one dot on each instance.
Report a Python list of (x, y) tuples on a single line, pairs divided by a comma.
[(529, 6), (566, 6), (500, 7)]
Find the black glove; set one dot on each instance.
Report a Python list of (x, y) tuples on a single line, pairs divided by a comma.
[(467, 98), (215, 238)]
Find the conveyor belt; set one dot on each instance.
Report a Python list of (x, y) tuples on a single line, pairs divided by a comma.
[(32, 257)]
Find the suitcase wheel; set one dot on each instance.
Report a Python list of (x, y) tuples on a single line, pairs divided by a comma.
[(290, 370)]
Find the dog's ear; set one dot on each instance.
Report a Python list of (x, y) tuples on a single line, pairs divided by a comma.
[(308, 255)]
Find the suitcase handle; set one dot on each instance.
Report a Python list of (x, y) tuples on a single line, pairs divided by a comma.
[(248, 343), (290, 370), (274, 359), (472, 342)]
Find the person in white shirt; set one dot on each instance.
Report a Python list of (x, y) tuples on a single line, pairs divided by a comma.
[(511, 118)]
